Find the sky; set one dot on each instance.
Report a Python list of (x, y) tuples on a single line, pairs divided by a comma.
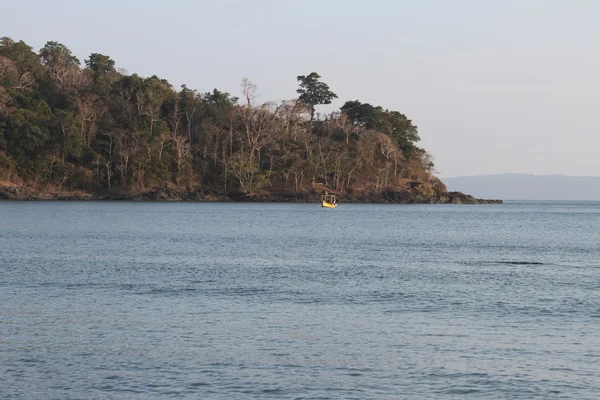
[(509, 86)]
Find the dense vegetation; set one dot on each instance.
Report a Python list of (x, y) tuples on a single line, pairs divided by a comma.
[(97, 129)]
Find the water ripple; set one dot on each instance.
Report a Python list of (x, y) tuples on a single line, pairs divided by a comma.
[(136, 301)]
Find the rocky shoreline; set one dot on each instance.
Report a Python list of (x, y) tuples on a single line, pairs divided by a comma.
[(171, 194)]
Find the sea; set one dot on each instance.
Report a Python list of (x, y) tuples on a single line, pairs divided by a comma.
[(124, 300)]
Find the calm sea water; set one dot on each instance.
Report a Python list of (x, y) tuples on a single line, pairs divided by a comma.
[(284, 301)]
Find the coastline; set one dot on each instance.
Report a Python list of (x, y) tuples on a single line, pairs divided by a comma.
[(171, 194)]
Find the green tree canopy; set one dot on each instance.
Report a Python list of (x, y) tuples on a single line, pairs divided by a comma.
[(97, 128), (392, 123), (314, 92), (362, 114), (57, 54), (22, 54), (101, 66)]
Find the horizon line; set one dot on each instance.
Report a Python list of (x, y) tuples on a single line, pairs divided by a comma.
[(517, 173)]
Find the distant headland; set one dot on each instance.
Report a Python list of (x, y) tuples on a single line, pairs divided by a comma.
[(94, 132), (529, 187)]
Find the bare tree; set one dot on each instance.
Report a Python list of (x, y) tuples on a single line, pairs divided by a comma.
[(249, 90), (110, 156), (259, 123), (182, 149), (8, 70), (5, 100), (11, 78), (90, 109), (246, 172), (126, 148), (179, 142)]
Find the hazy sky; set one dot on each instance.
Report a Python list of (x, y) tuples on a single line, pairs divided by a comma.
[(494, 86)]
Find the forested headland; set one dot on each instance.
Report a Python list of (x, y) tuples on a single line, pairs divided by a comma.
[(91, 131)]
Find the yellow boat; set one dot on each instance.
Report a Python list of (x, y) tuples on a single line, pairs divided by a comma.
[(328, 201)]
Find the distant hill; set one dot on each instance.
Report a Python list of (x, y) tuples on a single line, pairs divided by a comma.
[(527, 187)]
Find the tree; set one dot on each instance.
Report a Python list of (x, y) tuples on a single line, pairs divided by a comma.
[(21, 64), (54, 53), (393, 123), (27, 130), (100, 64), (62, 66), (189, 104), (400, 129), (314, 92), (62, 126), (9, 72), (247, 172), (249, 91), (20, 53), (102, 68), (362, 114)]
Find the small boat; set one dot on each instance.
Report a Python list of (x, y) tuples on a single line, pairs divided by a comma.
[(328, 201)]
